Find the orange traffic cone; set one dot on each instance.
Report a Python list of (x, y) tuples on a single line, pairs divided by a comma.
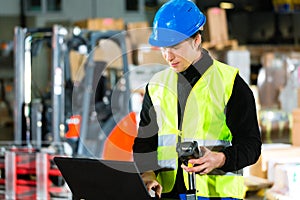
[(118, 145), (74, 127)]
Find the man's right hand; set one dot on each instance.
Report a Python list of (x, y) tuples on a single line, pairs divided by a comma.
[(151, 183)]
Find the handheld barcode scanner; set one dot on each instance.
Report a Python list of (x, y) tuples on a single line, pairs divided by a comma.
[(186, 151)]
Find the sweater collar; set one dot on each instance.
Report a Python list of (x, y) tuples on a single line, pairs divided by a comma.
[(201, 65)]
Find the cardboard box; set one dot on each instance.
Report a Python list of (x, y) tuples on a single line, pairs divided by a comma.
[(296, 127), (217, 25), (106, 51), (137, 25), (139, 36), (256, 169), (77, 62), (298, 97), (254, 183), (138, 32), (147, 54), (101, 24), (109, 51), (271, 152)]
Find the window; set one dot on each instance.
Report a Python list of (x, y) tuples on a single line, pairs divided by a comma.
[(43, 6), (132, 5), (33, 5), (54, 5)]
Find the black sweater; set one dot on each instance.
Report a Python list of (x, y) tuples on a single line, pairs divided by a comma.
[(240, 118)]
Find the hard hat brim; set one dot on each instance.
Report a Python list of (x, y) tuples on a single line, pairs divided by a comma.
[(165, 37)]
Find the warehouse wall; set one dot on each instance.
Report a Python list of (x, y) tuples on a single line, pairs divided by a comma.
[(72, 10), (10, 7)]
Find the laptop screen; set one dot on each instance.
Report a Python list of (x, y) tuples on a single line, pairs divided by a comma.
[(102, 179)]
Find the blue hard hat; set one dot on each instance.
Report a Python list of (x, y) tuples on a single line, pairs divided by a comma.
[(176, 21)]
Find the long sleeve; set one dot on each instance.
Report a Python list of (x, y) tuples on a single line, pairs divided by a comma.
[(241, 119), (145, 144)]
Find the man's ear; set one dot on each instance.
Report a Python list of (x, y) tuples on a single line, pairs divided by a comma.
[(197, 41)]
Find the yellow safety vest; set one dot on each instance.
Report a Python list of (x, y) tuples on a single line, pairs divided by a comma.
[(204, 120)]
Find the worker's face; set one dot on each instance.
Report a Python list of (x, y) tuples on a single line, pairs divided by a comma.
[(182, 55)]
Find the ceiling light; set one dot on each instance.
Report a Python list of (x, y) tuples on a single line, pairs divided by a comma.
[(226, 5)]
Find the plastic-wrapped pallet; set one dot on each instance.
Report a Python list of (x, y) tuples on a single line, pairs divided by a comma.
[(287, 180)]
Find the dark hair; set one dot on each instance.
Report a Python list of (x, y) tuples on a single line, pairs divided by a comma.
[(195, 34)]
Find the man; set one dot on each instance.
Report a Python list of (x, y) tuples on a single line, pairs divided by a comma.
[(196, 99)]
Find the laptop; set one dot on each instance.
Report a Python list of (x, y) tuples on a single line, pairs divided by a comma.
[(91, 179)]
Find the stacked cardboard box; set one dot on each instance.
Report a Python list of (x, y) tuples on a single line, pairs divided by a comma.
[(296, 127), (279, 164), (101, 24), (216, 30), (138, 34), (77, 62), (150, 55), (108, 51), (217, 25), (273, 153)]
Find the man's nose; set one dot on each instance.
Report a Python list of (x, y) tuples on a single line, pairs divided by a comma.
[(169, 55)]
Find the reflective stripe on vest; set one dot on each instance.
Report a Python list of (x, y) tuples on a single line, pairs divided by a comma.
[(203, 120), (210, 143), (166, 144)]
